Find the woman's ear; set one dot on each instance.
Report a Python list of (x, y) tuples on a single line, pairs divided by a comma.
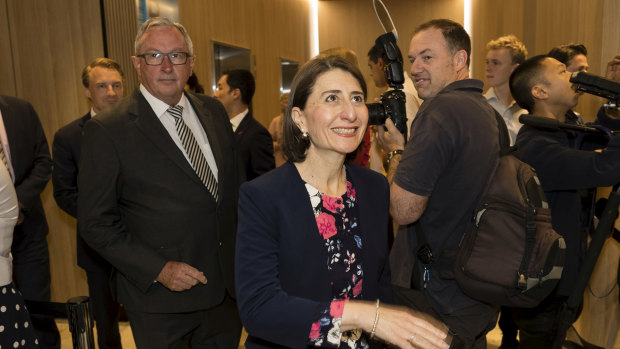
[(299, 118)]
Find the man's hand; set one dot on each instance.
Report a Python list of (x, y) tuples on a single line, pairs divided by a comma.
[(391, 139), (178, 276), (613, 69)]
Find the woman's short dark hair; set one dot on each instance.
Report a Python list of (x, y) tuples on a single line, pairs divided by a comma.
[(294, 146)]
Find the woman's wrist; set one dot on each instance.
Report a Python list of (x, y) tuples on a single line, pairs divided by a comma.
[(358, 315)]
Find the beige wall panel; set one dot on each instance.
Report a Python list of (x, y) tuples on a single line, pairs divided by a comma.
[(7, 73), (121, 25), (50, 51), (270, 29), (353, 24)]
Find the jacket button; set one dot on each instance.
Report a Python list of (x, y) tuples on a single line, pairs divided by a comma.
[(220, 244)]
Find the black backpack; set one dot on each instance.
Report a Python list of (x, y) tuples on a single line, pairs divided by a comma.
[(510, 255)]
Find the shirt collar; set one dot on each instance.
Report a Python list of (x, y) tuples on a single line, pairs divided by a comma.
[(236, 121), (160, 107), (465, 84)]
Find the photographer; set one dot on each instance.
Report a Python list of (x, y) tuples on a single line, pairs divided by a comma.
[(444, 169), (541, 85)]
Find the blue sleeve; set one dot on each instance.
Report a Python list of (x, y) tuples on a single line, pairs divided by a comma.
[(266, 310)]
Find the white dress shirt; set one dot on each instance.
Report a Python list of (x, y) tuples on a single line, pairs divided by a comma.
[(189, 116), (236, 121), (510, 114)]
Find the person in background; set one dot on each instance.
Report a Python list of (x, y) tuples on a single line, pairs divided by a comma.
[(103, 86), (193, 85), (275, 129), (504, 55), (311, 258), (235, 90)]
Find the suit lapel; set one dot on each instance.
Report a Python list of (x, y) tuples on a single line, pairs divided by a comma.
[(245, 123), (151, 126)]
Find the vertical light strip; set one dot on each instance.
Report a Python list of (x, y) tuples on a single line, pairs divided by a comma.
[(314, 27), (467, 23)]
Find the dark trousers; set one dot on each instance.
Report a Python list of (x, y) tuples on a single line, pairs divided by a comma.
[(509, 329), (469, 325), (215, 328), (105, 310), (31, 276), (537, 326)]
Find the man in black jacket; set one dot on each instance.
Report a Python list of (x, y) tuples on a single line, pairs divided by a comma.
[(103, 86), (235, 90), (541, 85)]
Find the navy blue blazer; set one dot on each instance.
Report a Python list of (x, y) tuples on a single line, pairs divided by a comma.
[(280, 267)]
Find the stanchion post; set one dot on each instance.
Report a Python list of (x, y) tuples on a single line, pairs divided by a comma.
[(81, 323)]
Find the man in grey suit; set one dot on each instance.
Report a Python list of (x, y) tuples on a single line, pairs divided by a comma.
[(103, 85), (158, 191)]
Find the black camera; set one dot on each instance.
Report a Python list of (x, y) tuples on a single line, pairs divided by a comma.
[(392, 103)]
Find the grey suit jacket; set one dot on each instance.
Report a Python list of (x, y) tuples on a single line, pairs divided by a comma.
[(141, 204)]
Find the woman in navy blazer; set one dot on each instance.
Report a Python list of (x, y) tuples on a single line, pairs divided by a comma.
[(311, 259)]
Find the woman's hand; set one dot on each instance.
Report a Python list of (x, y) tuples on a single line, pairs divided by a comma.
[(399, 326), (407, 328)]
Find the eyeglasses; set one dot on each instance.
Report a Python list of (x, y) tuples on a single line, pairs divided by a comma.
[(157, 58)]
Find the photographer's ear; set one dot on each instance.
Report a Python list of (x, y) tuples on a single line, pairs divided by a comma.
[(539, 91), (381, 63), (460, 60)]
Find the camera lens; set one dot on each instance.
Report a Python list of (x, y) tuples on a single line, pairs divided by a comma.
[(376, 114)]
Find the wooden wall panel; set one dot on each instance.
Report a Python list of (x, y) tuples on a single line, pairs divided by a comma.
[(121, 26), (270, 29), (7, 74), (545, 24), (49, 53), (353, 24)]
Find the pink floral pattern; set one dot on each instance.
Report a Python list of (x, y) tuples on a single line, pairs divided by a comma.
[(327, 225), (337, 223)]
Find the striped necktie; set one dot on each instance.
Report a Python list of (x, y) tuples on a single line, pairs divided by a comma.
[(3, 156), (199, 163)]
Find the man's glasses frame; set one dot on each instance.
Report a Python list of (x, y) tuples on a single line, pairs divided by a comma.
[(157, 58)]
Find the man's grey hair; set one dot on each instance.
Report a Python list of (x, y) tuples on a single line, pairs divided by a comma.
[(162, 22)]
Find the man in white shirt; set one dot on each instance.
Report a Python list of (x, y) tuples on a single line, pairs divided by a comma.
[(158, 187), (503, 56)]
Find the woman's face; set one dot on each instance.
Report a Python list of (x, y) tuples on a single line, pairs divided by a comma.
[(335, 115)]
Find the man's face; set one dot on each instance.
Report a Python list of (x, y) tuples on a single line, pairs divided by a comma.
[(377, 72), (579, 63), (558, 88), (165, 81), (105, 88), (499, 67), (224, 94), (432, 63)]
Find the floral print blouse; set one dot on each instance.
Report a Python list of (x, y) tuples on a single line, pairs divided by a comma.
[(337, 222)]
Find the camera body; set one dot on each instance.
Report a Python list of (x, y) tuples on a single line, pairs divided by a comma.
[(392, 106), (392, 103)]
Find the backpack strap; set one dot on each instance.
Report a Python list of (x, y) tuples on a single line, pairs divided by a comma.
[(446, 261)]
